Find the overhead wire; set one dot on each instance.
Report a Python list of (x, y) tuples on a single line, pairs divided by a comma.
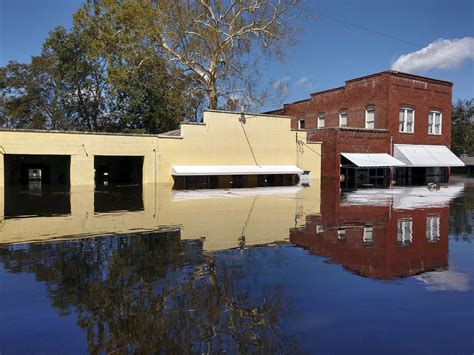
[(386, 35)]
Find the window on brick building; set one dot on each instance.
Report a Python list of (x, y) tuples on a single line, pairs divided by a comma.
[(370, 118), (321, 121), (343, 119), (407, 120), (405, 231), (432, 228), (434, 122), (368, 236), (301, 124)]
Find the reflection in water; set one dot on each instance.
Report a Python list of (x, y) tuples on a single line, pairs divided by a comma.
[(143, 292), (376, 235), (115, 198), (36, 199), (224, 218), (210, 271)]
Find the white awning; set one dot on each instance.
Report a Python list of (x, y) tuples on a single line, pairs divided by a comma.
[(200, 170), (426, 155), (372, 159)]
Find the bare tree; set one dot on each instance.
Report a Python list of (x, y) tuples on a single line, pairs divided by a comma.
[(219, 42)]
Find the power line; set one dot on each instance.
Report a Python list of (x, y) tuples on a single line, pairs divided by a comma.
[(387, 35)]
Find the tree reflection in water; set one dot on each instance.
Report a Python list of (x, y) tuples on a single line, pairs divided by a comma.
[(462, 214), (152, 291)]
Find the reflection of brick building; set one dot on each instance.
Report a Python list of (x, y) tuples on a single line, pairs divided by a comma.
[(387, 113), (377, 241)]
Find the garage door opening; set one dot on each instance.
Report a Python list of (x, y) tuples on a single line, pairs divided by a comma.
[(37, 185), (126, 170), (37, 169)]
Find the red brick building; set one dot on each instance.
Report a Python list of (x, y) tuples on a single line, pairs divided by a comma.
[(404, 116)]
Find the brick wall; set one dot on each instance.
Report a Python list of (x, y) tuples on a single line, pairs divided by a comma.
[(423, 96), (387, 92), (347, 140)]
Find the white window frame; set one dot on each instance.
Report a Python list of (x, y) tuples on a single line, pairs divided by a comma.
[(301, 120), (341, 234), (341, 114), (319, 229), (371, 108), (405, 120), (368, 237), (432, 124), (433, 228), (323, 118), (405, 231)]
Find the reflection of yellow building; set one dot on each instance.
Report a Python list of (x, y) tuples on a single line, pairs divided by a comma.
[(225, 218), (224, 141)]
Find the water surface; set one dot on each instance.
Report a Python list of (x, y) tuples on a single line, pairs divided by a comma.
[(280, 270)]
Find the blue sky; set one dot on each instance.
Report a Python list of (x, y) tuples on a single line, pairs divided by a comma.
[(328, 53)]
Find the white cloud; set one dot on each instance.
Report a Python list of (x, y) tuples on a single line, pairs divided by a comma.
[(440, 54), (282, 84), (304, 79)]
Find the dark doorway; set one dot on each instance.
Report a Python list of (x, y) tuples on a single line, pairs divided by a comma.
[(46, 169), (37, 185), (118, 170)]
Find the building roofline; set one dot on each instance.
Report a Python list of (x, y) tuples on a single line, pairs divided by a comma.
[(26, 130), (386, 72), (402, 74), (250, 114)]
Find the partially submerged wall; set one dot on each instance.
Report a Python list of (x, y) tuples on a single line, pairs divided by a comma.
[(238, 139), (223, 139), (82, 147)]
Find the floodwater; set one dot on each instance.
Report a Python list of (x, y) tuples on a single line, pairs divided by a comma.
[(271, 270)]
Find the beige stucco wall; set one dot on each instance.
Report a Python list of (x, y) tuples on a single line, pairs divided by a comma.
[(220, 140), (223, 139), (82, 148), (261, 215)]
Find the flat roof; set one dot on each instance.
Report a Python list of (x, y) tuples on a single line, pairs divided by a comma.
[(172, 133)]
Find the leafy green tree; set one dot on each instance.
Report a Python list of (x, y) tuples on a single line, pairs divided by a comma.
[(462, 134), (219, 43), (80, 83)]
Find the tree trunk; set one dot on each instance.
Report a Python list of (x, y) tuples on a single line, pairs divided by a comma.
[(212, 95)]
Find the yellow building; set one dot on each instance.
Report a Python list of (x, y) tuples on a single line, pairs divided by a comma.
[(254, 148)]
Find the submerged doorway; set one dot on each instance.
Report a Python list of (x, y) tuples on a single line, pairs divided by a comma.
[(37, 185), (22, 169), (127, 170)]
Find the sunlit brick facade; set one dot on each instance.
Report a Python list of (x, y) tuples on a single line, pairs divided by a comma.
[(373, 113)]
